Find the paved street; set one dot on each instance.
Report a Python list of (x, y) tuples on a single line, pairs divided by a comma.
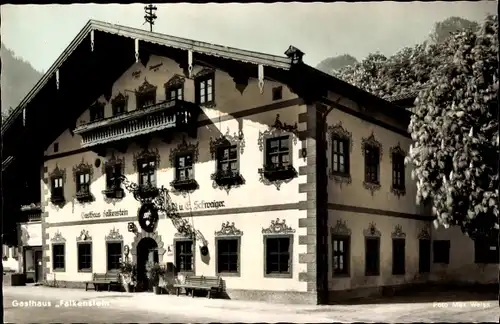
[(116, 307), (55, 313)]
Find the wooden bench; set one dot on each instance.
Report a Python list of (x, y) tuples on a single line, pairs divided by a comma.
[(210, 284), (108, 279)]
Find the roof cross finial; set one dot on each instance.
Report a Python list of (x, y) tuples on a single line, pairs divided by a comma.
[(150, 16)]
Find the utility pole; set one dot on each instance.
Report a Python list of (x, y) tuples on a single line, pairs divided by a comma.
[(150, 15)]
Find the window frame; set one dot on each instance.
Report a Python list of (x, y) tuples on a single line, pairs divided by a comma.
[(219, 162), (287, 275), (53, 187), (177, 256), (191, 167), (79, 183), (116, 169), (96, 112), (63, 269), (120, 101), (203, 79), (345, 154), (372, 152), (142, 97), (368, 272), (237, 273), (277, 93), (176, 88), (108, 264), (396, 271), (150, 171), (78, 245), (267, 154), (437, 251), (346, 239), (428, 259)]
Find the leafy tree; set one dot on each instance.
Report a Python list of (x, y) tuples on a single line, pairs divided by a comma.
[(444, 29), (336, 63), (455, 154)]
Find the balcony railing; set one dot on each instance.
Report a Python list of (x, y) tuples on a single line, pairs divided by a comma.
[(32, 212), (159, 117)]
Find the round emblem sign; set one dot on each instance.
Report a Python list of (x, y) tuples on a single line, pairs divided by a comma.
[(148, 217), (126, 250)]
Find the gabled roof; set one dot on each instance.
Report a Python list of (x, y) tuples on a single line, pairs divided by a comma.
[(80, 68), (151, 37)]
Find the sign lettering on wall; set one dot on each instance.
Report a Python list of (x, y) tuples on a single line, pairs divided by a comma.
[(105, 213), (200, 204)]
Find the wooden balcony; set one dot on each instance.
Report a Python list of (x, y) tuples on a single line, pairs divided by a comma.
[(31, 212), (177, 115)]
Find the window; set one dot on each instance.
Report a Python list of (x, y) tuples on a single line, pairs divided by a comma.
[(56, 147), (84, 257), (278, 152), (340, 254), (147, 172), (114, 255), (175, 92), (372, 256), (485, 251), (96, 112), (441, 251), (372, 162), (57, 187), (184, 256), (146, 99), (424, 256), (113, 173), (205, 90), (227, 158), (398, 171), (340, 155), (83, 182), (118, 107), (228, 250), (398, 256), (278, 93), (278, 252), (58, 262), (184, 167)]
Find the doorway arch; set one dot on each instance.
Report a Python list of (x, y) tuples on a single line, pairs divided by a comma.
[(146, 247)]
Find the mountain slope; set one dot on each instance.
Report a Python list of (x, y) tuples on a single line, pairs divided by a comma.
[(17, 79)]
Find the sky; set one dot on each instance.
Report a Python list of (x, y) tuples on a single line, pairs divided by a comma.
[(40, 33)]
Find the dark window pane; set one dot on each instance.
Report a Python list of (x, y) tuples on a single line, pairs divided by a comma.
[(114, 250)]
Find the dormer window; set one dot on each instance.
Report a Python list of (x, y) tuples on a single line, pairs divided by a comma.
[(204, 84), (119, 104), (96, 112), (174, 88), (145, 95), (176, 92)]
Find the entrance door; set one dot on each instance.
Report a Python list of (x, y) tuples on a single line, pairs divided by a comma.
[(147, 251), (38, 266)]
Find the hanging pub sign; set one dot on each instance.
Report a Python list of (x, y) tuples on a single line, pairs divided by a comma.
[(148, 217)]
